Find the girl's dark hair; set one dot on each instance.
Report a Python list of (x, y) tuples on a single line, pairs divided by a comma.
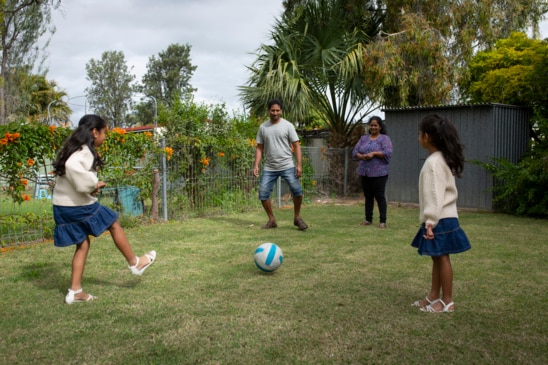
[(381, 123), (81, 136), (443, 135), (275, 102)]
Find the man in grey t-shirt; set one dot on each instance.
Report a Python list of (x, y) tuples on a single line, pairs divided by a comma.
[(277, 141)]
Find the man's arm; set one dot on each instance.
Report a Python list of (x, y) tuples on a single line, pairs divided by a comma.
[(298, 155), (258, 157)]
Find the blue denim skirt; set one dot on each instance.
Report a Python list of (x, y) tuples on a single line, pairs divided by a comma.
[(74, 224), (449, 238)]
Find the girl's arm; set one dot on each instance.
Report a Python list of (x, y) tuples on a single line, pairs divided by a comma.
[(433, 190), (78, 173)]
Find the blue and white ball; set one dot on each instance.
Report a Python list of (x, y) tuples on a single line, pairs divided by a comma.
[(268, 257)]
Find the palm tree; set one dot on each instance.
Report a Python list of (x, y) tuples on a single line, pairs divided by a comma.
[(36, 99), (315, 65)]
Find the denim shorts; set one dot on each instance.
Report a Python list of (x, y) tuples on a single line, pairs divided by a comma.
[(268, 178)]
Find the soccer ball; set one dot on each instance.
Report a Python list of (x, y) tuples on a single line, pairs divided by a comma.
[(268, 257)]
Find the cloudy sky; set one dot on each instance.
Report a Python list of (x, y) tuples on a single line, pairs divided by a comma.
[(223, 35)]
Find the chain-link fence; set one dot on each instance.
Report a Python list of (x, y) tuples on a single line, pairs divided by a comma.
[(188, 185)]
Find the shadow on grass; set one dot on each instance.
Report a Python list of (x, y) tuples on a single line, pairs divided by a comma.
[(238, 221), (51, 276)]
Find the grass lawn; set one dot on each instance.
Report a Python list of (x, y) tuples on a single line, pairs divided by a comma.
[(342, 296)]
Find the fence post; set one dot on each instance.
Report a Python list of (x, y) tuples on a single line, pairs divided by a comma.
[(345, 187), (164, 180), (155, 188)]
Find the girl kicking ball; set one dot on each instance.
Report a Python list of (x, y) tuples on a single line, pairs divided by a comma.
[(77, 212)]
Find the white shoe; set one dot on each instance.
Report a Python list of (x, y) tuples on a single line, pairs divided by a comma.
[(151, 255), (69, 298), (417, 303)]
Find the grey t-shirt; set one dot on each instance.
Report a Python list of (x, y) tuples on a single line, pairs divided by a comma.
[(277, 139)]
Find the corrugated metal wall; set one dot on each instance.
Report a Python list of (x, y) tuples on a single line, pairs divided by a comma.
[(487, 131)]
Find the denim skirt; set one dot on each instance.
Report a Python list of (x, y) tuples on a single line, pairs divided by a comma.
[(449, 238), (74, 224)]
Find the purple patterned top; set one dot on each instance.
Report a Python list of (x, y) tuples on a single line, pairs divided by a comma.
[(376, 166)]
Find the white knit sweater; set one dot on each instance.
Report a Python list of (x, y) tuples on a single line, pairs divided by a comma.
[(437, 190), (75, 187)]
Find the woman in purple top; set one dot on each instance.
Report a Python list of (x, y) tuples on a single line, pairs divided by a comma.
[(374, 151)]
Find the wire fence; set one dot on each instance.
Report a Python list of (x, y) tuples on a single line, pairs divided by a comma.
[(183, 187)]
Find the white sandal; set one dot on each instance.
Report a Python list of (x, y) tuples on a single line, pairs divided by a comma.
[(446, 307), (417, 303), (151, 255), (70, 297)]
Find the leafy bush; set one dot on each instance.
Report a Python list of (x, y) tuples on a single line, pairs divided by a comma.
[(521, 188)]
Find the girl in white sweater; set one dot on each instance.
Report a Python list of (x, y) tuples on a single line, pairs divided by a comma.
[(76, 210), (440, 234)]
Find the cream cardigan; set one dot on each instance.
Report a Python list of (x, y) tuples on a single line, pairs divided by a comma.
[(75, 187), (437, 191)]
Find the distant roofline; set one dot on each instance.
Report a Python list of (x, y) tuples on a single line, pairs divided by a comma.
[(142, 128)]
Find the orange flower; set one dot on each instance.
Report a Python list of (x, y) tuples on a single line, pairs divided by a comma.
[(19, 164), (11, 137), (148, 134), (221, 154), (118, 130), (51, 128), (169, 152), (4, 140), (23, 182), (205, 161), (26, 197), (30, 162)]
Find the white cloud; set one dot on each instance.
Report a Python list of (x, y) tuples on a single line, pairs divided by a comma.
[(221, 33)]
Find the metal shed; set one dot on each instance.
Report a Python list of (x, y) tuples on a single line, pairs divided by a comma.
[(486, 130)]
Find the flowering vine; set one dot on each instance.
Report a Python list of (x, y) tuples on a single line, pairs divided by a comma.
[(25, 149)]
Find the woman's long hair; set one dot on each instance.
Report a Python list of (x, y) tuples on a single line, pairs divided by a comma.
[(81, 136), (443, 135)]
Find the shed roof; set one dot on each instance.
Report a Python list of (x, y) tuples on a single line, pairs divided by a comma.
[(446, 106)]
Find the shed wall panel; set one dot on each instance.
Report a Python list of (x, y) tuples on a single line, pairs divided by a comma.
[(487, 131)]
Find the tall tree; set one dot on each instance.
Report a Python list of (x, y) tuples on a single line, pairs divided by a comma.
[(111, 87), (168, 76), (514, 72), (167, 80), (38, 100), (23, 23), (315, 65), (425, 46)]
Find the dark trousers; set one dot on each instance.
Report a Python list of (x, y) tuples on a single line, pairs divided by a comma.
[(373, 189)]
